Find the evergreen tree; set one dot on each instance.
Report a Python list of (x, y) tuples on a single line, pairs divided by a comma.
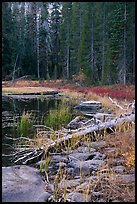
[(75, 35), (62, 39), (8, 41), (65, 38), (45, 41), (55, 36)]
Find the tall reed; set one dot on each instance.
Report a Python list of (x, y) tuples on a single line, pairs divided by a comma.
[(25, 126), (59, 118)]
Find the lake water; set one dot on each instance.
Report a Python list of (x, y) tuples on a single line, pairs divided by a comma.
[(12, 110)]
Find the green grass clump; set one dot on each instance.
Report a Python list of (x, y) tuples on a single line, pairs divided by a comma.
[(25, 126), (59, 118)]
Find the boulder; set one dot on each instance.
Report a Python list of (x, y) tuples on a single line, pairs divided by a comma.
[(22, 183)]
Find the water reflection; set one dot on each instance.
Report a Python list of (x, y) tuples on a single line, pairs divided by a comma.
[(38, 108), (12, 110)]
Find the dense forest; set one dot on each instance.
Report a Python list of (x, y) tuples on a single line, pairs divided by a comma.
[(93, 41)]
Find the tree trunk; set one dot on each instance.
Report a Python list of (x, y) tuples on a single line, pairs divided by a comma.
[(103, 46), (13, 77), (124, 67), (92, 49), (133, 59), (38, 40), (68, 61)]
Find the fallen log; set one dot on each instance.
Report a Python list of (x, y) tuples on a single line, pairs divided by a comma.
[(94, 128), (52, 145)]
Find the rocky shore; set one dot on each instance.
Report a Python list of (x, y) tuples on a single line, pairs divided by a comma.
[(81, 175)]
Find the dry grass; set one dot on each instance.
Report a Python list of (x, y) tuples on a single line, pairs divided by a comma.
[(122, 140), (106, 102), (20, 90)]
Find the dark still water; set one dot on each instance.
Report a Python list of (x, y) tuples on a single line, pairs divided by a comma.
[(12, 110)]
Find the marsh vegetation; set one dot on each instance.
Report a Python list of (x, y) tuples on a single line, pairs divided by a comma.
[(97, 166)]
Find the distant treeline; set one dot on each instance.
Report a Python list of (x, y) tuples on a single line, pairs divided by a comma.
[(91, 41)]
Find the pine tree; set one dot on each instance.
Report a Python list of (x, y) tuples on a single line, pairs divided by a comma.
[(65, 38), (45, 41), (10, 36), (55, 36), (75, 35), (96, 39)]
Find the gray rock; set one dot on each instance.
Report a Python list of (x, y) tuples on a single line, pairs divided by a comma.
[(119, 169), (61, 164), (86, 149), (21, 183), (124, 179), (59, 158), (101, 200), (79, 156), (99, 156), (87, 181), (117, 162), (98, 145), (70, 171), (42, 162), (97, 194), (78, 197), (121, 178), (76, 171), (116, 201), (85, 167), (132, 171), (70, 183), (44, 197), (110, 149)]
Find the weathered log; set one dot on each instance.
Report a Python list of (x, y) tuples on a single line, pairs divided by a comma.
[(35, 154), (94, 128)]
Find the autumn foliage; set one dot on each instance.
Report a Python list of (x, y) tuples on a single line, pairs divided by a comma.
[(118, 91)]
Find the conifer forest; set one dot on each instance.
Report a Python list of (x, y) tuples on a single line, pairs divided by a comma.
[(63, 40), (68, 101)]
